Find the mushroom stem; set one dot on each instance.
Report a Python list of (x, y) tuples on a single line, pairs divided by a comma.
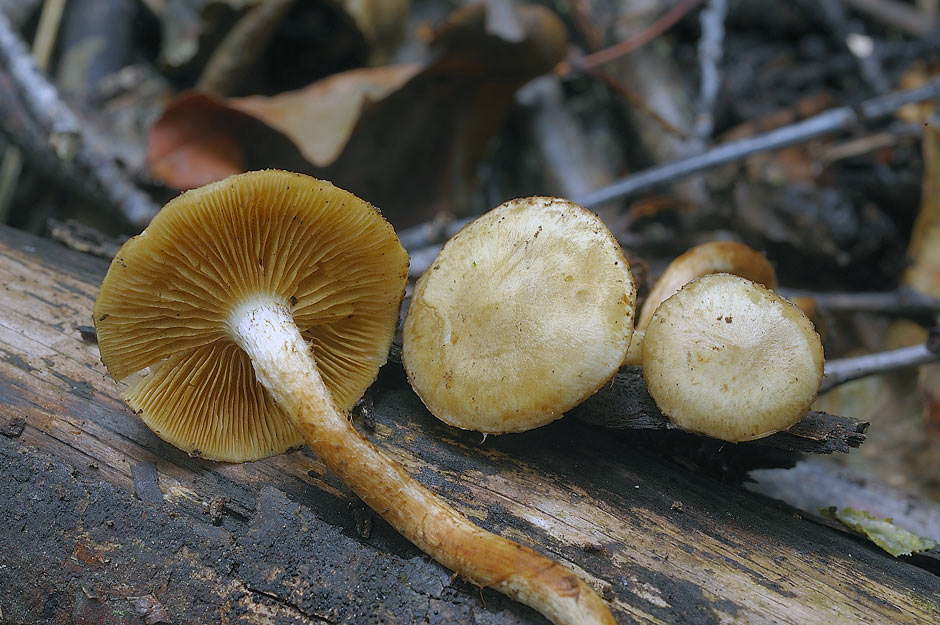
[(635, 352), (285, 365)]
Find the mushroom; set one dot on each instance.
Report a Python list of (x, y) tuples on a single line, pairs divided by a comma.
[(730, 359), (711, 257), (524, 314), (263, 306)]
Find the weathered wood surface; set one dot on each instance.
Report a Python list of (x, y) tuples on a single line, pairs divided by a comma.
[(626, 405), (663, 544)]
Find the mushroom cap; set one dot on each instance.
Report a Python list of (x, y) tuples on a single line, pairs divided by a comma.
[(730, 359), (711, 257), (525, 313), (166, 302)]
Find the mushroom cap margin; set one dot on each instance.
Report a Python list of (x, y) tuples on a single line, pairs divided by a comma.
[(165, 303)]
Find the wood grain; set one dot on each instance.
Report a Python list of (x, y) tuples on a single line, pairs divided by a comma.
[(662, 543)]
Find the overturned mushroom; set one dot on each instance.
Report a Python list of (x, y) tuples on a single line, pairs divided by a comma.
[(263, 306), (711, 257), (727, 358), (525, 313)]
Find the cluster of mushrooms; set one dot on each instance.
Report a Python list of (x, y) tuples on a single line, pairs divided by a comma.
[(254, 312)]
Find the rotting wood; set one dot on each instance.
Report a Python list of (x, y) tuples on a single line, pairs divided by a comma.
[(661, 543), (626, 405)]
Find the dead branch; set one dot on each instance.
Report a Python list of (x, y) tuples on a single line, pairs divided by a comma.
[(625, 404), (43, 44), (842, 118), (842, 370), (63, 137), (851, 33), (23, 131), (710, 52), (39, 95), (654, 30)]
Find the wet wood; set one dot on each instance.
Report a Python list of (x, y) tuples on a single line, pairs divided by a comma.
[(661, 542)]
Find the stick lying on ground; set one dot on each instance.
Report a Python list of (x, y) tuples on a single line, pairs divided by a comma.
[(842, 118), (842, 370), (67, 150)]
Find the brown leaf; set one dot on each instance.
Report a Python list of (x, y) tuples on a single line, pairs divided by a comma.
[(199, 139), (425, 140), (194, 142), (406, 138), (319, 119)]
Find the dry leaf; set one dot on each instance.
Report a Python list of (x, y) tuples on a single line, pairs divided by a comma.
[(406, 138), (320, 118), (379, 21), (883, 532), (192, 143), (924, 273), (199, 139)]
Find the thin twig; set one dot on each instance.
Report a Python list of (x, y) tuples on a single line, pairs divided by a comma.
[(43, 44), (842, 370), (636, 101), (654, 30), (439, 229), (710, 53), (841, 118), (62, 128), (47, 31), (902, 302), (40, 96)]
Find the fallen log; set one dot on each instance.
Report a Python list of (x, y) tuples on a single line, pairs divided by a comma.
[(282, 541)]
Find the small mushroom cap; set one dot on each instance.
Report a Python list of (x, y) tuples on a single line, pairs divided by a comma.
[(730, 359), (525, 313), (165, 305), (711, 257)]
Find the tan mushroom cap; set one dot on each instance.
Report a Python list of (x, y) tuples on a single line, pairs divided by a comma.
[(164, 306), (525, 313), (712, 257), (730, 359)]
